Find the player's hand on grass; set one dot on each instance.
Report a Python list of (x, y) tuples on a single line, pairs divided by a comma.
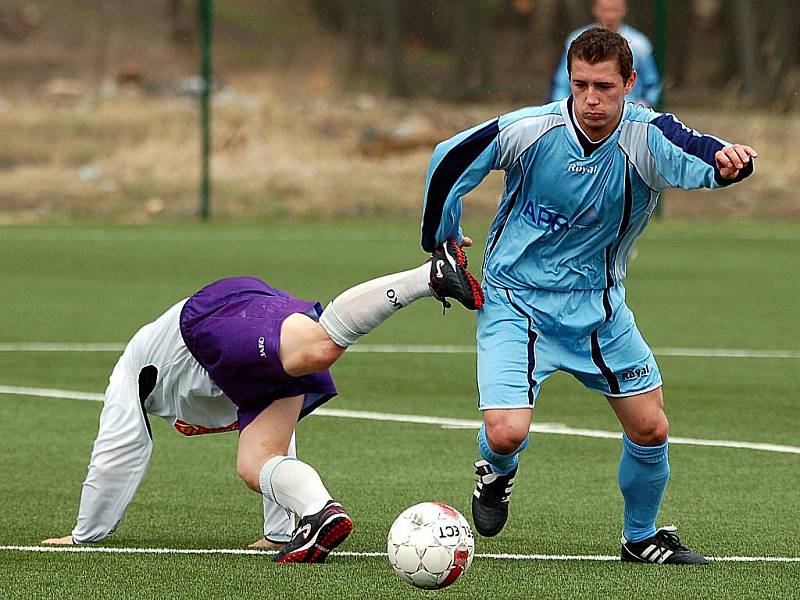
[(60, 541), (265, 544), (731, 159)]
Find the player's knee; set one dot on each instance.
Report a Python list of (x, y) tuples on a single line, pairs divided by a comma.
[(653, 432), (504, 434)]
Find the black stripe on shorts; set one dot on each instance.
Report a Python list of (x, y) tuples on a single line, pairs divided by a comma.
[(532, 337), (597, 355)]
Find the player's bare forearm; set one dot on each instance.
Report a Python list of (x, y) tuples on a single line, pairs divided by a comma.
[(59, 541), (732, 159)]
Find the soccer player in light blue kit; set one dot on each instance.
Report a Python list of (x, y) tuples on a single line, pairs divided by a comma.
[(610, 14), (582, 177)]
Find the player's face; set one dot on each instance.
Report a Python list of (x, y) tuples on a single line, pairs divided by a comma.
[(610, 13), (599, 93)]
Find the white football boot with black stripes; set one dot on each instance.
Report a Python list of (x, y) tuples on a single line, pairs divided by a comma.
[(664, 548), (490, 499)]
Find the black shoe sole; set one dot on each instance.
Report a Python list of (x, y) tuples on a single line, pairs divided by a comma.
[(696, 559)]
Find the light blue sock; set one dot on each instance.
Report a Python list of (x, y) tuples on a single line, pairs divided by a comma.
[(502, 464), (643, 476)]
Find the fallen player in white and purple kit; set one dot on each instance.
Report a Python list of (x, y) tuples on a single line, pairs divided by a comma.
[(240, 354)]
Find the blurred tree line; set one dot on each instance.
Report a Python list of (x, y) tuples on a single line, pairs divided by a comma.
[(478, 48), (745, 50)]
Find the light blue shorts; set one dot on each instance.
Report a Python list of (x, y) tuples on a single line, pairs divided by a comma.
[(526, 335)]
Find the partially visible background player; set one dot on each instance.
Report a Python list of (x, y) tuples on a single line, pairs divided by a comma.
[(611, 14), (240, 354), (582, 178)]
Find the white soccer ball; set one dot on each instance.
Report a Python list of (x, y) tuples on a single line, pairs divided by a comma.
[(430, 545)]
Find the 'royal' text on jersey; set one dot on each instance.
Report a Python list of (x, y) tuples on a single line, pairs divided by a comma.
[(581, 169)]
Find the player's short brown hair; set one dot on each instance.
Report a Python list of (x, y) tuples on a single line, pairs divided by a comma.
[(599, 44)]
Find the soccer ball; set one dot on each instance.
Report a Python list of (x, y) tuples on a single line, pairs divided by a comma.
[(430, 545)]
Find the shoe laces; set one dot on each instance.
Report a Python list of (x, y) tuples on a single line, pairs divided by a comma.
[(440, 298), (493, 487), (669, 539)]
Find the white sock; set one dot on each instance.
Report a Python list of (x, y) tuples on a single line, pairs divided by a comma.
[(278, 521), (294, 485), (359, 310)]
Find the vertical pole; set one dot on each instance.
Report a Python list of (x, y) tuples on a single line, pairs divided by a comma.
[(661, 61), (660, 45), (394, 47), (206, 22)]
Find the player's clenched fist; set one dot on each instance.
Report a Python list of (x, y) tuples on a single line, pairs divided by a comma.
[(733, 158)]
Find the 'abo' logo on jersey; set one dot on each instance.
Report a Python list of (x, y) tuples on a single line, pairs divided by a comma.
[(546, 218)]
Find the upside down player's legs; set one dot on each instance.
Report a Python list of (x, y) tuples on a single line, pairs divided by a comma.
[(263, 461), (360, 309), (305, 347), (278, 521), (119, 459)]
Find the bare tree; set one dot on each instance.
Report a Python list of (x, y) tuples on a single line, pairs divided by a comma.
[(393, 47), (180, 24), (746, 23), (357, 23)]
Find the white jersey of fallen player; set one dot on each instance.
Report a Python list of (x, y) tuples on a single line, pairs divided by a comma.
[(184, 395)]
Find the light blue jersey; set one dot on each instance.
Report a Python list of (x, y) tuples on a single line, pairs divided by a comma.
[(570, 210), (553, 276), (648, 82)]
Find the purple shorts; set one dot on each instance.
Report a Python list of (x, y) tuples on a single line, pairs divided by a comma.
[(233, 327)]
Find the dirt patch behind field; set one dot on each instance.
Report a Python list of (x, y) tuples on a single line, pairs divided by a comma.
[(285, 148)]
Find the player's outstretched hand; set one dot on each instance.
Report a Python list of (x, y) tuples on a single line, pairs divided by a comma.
[(731, 159), (450, 277), (60, 541)]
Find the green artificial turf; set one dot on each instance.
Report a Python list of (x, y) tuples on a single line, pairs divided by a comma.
[(727, 286)]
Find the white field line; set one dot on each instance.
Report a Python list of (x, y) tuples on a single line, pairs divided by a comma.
[(50, 393), (250, 552), (410, 349), (63, 347), (546, 428)]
